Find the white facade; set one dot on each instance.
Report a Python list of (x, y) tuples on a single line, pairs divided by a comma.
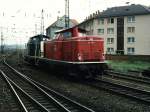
[(136, 33), (141, 34), (109, 32)]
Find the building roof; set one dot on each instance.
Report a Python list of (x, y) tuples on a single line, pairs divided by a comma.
[(125, 11), (56, 24), (128, 10), (75, 22)]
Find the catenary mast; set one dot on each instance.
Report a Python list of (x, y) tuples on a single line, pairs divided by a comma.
[(66, 13)]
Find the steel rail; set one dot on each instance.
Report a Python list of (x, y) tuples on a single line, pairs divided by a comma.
[(64, 97), (26, 94), (128, 78), (57, 104), (42, 88), (14, 91), (139, 95), (125, 74)]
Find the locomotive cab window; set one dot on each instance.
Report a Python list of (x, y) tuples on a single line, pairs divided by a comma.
[(63, 35), (82, 34), (34, 39), (67, 34)]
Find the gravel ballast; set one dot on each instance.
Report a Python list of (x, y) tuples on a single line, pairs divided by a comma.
[(98, 100)]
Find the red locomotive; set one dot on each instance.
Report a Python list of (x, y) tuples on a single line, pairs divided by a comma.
[(71, 52)]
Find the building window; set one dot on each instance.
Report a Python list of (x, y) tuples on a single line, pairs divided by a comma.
[(110, 40), (131, 29), (91, 32), (66, 34), (131, 19), (130, 50), (110, 20), (110, 30), (87, 24), (101, 21), (100, 31), (130, 39), (91, 23), (110, 50)]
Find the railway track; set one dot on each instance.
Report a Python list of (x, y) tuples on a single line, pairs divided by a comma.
[(136, 79), (8, 102), (124, 90), (33, 96)]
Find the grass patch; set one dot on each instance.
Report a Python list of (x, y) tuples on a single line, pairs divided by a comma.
[(125, 66)]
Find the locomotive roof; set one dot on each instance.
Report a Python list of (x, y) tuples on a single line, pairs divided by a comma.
[(39, 36), (69, 29)]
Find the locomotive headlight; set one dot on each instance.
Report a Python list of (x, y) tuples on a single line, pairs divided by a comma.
[(79, 57)]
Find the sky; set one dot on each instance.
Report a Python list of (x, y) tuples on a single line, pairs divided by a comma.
[(21, 19)]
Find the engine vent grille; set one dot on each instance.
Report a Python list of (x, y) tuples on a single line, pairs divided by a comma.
[(85, 55), (96, 55)]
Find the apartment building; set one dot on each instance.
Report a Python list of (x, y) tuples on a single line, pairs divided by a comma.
[(125, 29)]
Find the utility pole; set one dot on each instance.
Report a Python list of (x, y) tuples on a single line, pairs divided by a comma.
[(35, 29), (42, 22), (2, 43), (128, 3), (67, 14), (89, 6)]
